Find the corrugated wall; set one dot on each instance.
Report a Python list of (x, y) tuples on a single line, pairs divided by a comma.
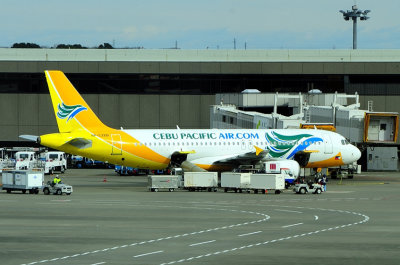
[(33, 113)]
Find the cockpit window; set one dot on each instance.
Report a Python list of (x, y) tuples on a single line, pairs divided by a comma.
[(345, 142)]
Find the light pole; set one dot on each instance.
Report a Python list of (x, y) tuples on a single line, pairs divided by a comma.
[(354, 14)]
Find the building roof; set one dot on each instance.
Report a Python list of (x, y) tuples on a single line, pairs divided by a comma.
[(177, 55)]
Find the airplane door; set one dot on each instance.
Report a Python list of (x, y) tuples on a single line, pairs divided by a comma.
[(116, 144), (328, 145)]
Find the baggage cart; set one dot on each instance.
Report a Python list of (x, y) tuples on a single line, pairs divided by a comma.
[(266, 182), (201, 181), (236, 182), (23, 180), (159, 182)]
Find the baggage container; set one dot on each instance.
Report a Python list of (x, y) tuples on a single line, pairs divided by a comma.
[(235, 181), (23, 180), (201, 181), (265, 182), (158, 182)]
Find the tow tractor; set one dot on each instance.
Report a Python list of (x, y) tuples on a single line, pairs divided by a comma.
[(304, 188), (57, 189)]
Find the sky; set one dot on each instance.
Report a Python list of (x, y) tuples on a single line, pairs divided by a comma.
[(200, 24)]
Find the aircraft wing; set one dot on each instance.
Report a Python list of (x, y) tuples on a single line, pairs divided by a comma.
[(247, 158)]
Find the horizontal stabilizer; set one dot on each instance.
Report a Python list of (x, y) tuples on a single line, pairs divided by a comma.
[(32, 138)]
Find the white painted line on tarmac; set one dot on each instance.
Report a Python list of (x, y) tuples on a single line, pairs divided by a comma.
[(286, 226), (147, 254), (288, 211), (253, 233), (202, 243), (264, 218)]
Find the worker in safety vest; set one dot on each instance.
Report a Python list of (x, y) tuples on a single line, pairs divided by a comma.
[(56, 180)]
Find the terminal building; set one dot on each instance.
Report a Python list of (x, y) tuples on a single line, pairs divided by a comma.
[(139, 88)]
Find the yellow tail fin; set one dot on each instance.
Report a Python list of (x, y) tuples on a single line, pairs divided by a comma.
[(71, 110)]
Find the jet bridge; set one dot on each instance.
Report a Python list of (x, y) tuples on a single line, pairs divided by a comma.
[(380, 127)]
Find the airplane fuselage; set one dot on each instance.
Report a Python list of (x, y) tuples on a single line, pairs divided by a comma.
[(153, 148)]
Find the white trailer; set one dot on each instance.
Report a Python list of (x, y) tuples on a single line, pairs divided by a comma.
[(235, 181), (201, 181), (157, 182), (23, 180), (265, 182)]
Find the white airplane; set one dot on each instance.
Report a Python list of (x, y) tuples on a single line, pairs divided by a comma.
[(82, 133)]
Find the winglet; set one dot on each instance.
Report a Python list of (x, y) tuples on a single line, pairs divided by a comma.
[(258, 150)]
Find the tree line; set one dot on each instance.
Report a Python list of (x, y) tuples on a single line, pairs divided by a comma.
[(60, 46)]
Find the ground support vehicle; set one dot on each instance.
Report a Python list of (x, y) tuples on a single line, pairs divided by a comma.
[(201, 181), (57, 189), (303, 188), (124, 171), (160, 182), (84, 162), (23, 180), (6, 164), (55, 161), (347, 172), (267, 182), (237, 182), (25, 160), (129, 171), (289, 168)]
